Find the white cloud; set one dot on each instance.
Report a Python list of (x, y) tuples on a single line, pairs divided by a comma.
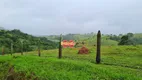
[(40, 17)]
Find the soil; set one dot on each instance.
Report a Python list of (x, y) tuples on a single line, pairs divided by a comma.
[(83, 50)]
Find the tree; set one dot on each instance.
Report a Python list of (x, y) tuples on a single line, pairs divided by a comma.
[(130, 35), (125, 40)]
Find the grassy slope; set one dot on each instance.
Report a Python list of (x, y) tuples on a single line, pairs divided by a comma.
[(118, 63), (104, 41)]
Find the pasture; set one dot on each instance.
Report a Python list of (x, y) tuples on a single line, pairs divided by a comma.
[(117, 63)]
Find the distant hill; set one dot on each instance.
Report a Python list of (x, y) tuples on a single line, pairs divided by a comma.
[(1, 28), (138, 35), (89, 39)]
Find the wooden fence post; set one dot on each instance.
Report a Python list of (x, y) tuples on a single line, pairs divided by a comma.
[(98, 55), (2, 50), (39, 53), (11, 48), (60, 47), (21, 47)]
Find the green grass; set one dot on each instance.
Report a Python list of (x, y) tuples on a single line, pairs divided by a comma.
[(4, 66), (117, 63)]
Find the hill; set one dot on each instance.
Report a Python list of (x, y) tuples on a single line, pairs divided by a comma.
[(22, 41), (138, 35)]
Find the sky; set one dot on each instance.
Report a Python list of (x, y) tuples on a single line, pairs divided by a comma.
[(49, 17)]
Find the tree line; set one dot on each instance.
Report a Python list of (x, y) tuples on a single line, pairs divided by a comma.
[(127, 39)]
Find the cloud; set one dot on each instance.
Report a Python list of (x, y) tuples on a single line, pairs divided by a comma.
[(44, 17)]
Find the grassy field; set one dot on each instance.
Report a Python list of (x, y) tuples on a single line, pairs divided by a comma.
[(117, 63)]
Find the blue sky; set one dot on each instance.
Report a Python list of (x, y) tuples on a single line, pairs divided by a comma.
[(46, 17)]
